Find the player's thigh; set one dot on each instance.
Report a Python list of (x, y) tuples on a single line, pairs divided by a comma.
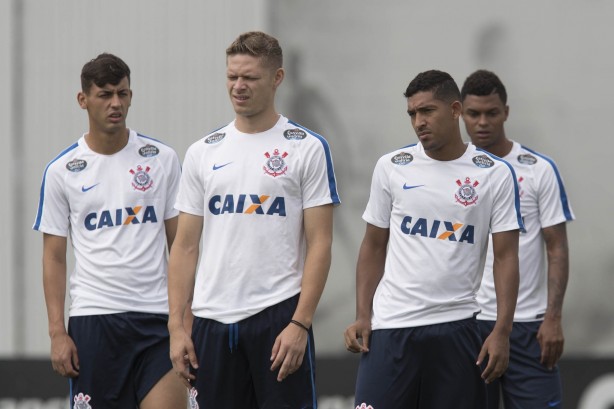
[(527, 383), (105, 360), (389, 374), (451, 378), (257, 336), (168, 393), (223, 378)]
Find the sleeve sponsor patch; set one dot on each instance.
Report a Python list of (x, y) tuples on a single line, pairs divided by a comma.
[(483, 161), (527, 159), (148, 151), (402, 158), (215, 138), (76, 165), (295, 134)]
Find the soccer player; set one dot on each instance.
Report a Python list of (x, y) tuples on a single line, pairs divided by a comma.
[(431, 208), (532, 379), (113, 192), (260, 191)]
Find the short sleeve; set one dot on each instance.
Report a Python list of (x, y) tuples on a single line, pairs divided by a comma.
[(379, 206), (53, 216), (191, 194), (506, 201)]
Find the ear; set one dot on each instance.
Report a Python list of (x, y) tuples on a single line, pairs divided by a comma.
[(279, 77), (82, 100), (507, 111), (457, 109)]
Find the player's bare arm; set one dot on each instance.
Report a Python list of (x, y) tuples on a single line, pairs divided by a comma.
[(505, 270), (369, 272), (289, 347), (64, 358), (170, 227), (550, 334), (181, 274)]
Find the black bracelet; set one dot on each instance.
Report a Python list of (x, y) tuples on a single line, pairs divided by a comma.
[(295, 322)]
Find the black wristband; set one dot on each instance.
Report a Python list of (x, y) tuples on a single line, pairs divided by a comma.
[(295, 322)]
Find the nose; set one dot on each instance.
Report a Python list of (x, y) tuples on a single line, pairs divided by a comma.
[(115, 100), (482, 120), (239, 83), (419, 120)]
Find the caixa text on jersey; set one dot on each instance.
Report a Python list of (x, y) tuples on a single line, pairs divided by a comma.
[(121, 217), (247, 204), (437, 229)]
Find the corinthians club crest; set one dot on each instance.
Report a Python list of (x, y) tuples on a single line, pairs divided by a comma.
[(466, 193), (275, 164), (141, 180), (82, 401)]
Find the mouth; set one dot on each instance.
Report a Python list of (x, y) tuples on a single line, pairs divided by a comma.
[(116, 116), (482, 135), (240, 98)]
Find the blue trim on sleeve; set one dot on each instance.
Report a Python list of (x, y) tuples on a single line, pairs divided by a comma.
[(407, 146), (39, 213), (562, 193), (332, 183), (150, 138), (516, 190)]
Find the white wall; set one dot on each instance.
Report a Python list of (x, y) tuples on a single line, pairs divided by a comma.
[(6, 185), (355, 60), (175, 50), (556, 59)]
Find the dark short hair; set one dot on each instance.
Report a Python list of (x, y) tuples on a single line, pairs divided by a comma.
[(482, 83), (258, 44), (440, 83), (102, 70)]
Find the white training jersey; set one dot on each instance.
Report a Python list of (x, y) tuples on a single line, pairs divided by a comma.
[(543, 203), (114, 208), (251, 190), (439, 214)]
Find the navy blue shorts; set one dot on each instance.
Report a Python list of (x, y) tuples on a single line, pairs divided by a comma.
[(234, 363), (121, 357), (526, 383), (430, 367)]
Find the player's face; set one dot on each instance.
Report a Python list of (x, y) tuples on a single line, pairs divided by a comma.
[(484, 117), (107, 107), (433, 120), (251, 84)]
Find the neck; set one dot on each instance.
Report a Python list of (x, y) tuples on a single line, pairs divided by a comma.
[(107, 143), (450, 151), (501, 148), (256, 124)]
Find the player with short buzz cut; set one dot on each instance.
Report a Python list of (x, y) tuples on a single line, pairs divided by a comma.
[(260, 193), (430, 211), (532, 379), (112, 192)]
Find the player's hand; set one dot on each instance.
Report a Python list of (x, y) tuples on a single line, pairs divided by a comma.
[(288, 351), (359, 329), (551, 340), (183, 355), (497, 348), (64, 358)]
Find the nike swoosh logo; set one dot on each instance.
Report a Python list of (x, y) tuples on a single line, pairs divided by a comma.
[(216, 167), (85, 189), (410, 187), (553, 404)]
